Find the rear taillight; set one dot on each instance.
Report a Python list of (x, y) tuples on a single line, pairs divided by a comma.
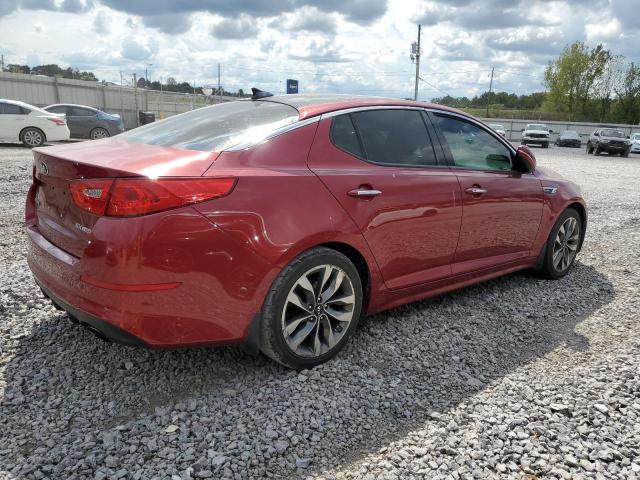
[(130, 197), (57, 120)]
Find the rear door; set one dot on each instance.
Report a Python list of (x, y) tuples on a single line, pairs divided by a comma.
[(381, 165), (12, 121), (501, 208), (80, 121)]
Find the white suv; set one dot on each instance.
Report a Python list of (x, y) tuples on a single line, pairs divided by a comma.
[(536, 133), (635, 143)]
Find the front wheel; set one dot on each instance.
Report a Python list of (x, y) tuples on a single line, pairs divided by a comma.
[(562, 245), (589, 149), (625, 154), (312, 309)]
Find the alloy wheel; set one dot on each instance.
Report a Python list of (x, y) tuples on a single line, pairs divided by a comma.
[(99, 133), (565, 246), (318, 310), (33, 138)]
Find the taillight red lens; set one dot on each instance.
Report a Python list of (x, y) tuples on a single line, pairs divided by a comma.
[(130, 197), (57, 120), (91, 195)]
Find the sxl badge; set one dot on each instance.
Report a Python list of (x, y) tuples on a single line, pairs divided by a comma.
[(83, 228)]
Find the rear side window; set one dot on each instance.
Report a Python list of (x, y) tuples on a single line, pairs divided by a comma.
[(80, 112), (472, 147), (58, 109), (344, 135), (217, 127), (12, 109), (387, 137)]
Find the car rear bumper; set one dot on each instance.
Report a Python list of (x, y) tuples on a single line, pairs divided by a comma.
[(206, 308), (58, 134)]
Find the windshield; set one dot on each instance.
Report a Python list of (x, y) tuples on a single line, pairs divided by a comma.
[(537, 126), (609, 132), (216, 128), (636, 136), (570, 134)]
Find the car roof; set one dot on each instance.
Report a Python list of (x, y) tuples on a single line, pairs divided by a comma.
[(310, 105), (71, 105)]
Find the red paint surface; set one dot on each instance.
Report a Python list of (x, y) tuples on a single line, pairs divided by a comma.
[(421, 237)]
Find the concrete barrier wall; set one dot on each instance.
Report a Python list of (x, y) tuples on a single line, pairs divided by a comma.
[(42, 91)]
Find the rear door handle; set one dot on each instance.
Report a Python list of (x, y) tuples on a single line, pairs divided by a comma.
[(475, 190), (364, 193)]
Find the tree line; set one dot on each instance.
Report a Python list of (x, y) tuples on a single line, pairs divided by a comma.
[(51, 70), (582, 84)]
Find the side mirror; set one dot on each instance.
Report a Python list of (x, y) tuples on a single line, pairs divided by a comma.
[(550, 131), (525, 160), (596, 134)]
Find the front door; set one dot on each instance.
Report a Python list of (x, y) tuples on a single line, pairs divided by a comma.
[(382, 167), (502, 208)]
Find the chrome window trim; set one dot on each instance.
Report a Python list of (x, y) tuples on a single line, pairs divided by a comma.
[(275, 133), (479, 124)]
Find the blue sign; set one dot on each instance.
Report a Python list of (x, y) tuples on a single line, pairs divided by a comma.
[(292, 86)]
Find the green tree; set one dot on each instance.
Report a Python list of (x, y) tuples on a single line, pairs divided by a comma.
[(628, 95), (571, 78)]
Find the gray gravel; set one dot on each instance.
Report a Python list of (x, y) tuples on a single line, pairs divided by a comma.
[(515, 378)]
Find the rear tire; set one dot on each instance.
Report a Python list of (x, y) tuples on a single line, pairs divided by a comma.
[(32, 137), (562, 245), (312, 309), (98, 133), (545, 145)]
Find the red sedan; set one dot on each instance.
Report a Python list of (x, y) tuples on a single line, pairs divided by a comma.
[(279, 221)]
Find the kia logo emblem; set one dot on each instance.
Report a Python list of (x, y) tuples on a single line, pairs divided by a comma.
[(44, 167)]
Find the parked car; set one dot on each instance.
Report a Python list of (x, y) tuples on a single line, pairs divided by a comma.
[(499, 129), (569, 138), (635, 143), (610, 140), (32, 126), (278, 221), (88, 122), (537, 134)]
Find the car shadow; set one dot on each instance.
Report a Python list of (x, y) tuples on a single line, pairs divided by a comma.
[(62, 384)]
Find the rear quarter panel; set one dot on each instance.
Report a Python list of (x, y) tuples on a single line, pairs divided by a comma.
[(278, 209)]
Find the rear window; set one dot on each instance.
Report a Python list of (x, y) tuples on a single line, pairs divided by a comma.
[(217, 127)]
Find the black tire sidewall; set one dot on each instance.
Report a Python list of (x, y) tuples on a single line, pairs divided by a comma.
[(272, 338), (548, 267)]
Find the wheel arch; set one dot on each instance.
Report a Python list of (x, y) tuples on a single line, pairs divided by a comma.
[(44, 135), (582, 211)]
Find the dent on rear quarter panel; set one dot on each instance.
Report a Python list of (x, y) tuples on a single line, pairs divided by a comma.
[(278, 209)]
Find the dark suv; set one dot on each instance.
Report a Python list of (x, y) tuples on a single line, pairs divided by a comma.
[(611, 140)]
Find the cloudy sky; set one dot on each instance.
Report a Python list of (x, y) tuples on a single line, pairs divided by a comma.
[(343, 46)]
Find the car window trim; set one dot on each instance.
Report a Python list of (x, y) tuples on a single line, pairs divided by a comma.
[(349, 111), (481, 126)]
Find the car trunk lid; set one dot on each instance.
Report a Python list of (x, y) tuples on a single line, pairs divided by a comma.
[(57, 216)]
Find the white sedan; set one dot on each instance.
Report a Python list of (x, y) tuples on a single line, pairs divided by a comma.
[(21, 122)]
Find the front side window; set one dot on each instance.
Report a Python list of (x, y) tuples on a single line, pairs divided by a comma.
[(472, 147), (218, 127)]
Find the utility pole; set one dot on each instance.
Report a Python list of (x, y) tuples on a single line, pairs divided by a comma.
[(135, 99), (219, 91), (121, 100), (489, 94), (417, 57), (2, 63)]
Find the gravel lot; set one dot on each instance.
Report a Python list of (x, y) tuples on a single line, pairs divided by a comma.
[(515, 378)]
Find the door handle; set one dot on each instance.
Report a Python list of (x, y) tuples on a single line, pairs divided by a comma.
[(475, 190), (364, 193)]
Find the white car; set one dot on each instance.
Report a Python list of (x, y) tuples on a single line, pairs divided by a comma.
[(32, 126), (536, 133), (635, 143), (500, 130)]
